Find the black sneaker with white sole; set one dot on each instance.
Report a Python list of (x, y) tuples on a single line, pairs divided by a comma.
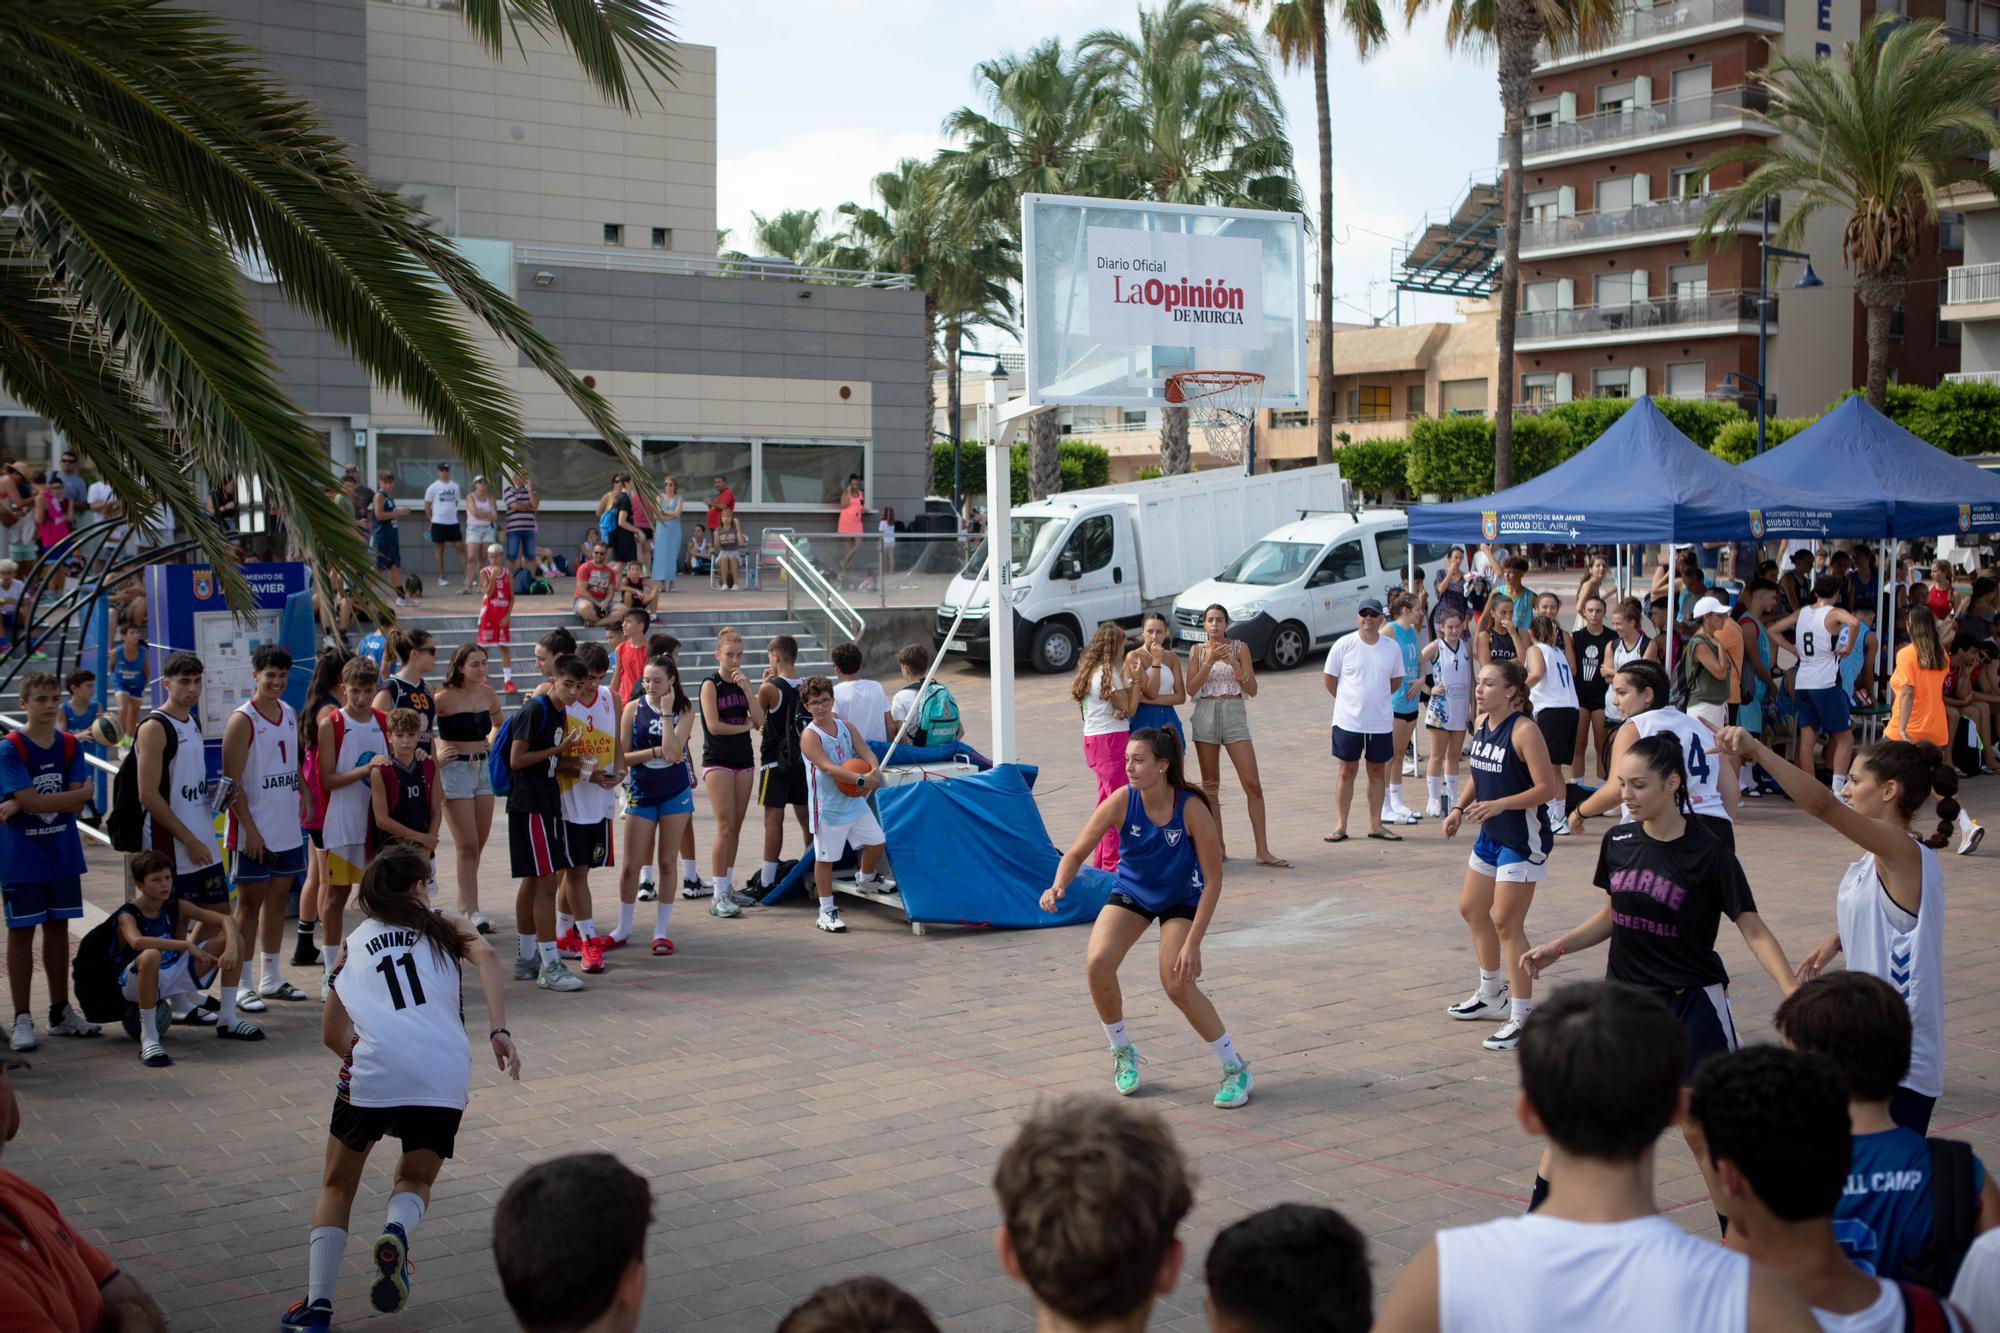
[(695, 888), (1480, 1005)]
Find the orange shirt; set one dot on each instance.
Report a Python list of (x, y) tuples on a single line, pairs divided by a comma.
[(49, 1275), (1922, 719), (1730, 639)]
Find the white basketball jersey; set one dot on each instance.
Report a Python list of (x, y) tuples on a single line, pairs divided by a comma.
[(347, 807), (1699, 756), (590, 729), (187, 795), (1883, 940), (270, 782), (1819, 669), (1620, 655), (1556, 688), (404, 997)]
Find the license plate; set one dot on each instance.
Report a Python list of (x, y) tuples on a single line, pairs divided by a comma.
[(1193, 635), (954, 645)]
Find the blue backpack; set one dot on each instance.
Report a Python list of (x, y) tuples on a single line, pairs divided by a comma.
[(607, 523), (499, 765)]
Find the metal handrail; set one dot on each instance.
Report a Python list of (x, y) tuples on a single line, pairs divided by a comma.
[(565, 256), (802, 573)]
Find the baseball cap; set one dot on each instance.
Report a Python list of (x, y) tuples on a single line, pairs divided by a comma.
[(1709, 606), (1369, 606)]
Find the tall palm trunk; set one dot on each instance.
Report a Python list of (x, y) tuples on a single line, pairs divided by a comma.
[(1044, 459), (1323, 409), (954, 333), (1879, 293), (1516, 34), (1174, 458)]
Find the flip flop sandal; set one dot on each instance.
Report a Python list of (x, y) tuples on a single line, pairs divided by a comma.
[(662, 948), (1386, 836), (250, 1002), (1337, 837)]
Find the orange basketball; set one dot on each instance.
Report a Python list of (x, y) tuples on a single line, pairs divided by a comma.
[(852, 766)]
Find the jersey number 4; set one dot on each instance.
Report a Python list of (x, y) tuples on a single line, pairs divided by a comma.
[(387, 967), (1697, 767)]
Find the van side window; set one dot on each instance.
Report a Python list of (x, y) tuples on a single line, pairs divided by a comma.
[(1343, 564), (1091, 544), (1392, 550)]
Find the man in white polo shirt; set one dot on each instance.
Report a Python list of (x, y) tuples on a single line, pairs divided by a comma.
[(441, 501), (1363, 671)]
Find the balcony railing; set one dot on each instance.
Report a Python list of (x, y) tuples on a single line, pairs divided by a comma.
[(637, 261), (1661, 19), (1619, 223), (1714, 308), (1972, 284), (1972, 377), (1967, 37), (1612, 126)]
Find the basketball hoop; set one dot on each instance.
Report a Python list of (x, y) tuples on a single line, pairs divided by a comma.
[(1223, 403)]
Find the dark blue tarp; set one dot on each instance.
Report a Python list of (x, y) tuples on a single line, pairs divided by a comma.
[(1644, 481), (1855, 451)]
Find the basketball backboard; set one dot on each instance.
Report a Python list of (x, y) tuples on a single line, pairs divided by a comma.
[(1120, 294)]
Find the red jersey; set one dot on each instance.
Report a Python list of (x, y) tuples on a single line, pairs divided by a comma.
[(631, 667)]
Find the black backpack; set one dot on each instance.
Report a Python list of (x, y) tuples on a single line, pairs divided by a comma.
[(94, 973), (126, 824), (1954, 1210)]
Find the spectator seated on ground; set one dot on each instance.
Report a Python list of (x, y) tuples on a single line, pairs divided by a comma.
[(569, 1239)]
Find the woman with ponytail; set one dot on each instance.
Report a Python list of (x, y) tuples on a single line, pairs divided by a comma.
[(1170, 871), (1889, 910), (394, 1016)]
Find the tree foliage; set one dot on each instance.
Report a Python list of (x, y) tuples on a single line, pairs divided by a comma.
[(1453, 456), (1083, 466)]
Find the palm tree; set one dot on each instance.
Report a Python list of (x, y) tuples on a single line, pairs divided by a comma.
[(1034, 136), (1295, 30), (795, 234), (1877, 133), (1514, 28), (141, 147), (1191, 116)]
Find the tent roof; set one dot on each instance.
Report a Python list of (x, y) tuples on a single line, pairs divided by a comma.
[(1644, 481), (1855, 451)]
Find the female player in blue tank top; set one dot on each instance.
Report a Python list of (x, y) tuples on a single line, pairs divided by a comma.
[(1170, 871), (1513, 779), (653, 739)]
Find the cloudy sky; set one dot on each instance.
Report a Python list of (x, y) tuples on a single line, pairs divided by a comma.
[(816, 96)]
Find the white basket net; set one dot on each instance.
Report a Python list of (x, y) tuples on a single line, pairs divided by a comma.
[(1223, 403)]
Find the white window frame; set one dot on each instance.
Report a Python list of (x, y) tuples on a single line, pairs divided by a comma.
[(1674, 84), (1628, 102), (1597, 193), (1621, 380), (1667, 383), (1597, 281)]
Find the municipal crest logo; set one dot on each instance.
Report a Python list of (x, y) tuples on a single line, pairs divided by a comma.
[(1965, 518), (204, 584), (1173, 837), (1756, 523), (1489, 524)]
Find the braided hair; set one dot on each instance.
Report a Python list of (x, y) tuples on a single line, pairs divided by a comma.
[(1920, 771)]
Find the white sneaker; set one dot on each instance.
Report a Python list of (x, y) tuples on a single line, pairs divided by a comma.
[(1969, 838), (23, 1038), (1480, 1005), (1405, 815), (879, 884), (555, 976), (1434, 808), (830, 922), (695, 888), (527, 969), (480, 923), (1560, 827), (724, 905), (1505, 1037), (73, 1024)]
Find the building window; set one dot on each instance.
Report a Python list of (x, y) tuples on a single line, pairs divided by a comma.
[(1373, 403), (1692, 83), (1132, 416), (1543, 111), (1613, 382), (1611, 289), (1620, 96), (1982, 20), (1951, 231), (1687, 379), (1687, 183), (1538, 296), (1413, 400), (614, 233), (1614, 194), (808, 473), (1538, 392), (1292, 417), (436, 205), (1896, 323), (1948, 333), (663, 238), (1462, 398), (1542, 205), (1688, 282)]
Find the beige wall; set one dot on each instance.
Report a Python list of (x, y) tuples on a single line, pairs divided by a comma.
[(535, 152)]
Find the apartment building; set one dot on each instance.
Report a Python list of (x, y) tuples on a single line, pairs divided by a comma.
[(1614, 302), (602, 225)]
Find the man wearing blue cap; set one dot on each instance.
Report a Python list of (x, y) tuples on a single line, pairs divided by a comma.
[(1363, 672)]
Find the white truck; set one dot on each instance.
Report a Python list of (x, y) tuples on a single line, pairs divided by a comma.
[(1117, 552)]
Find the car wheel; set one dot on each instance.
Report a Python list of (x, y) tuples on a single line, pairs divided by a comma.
[(1287, 648), (1053, 649)]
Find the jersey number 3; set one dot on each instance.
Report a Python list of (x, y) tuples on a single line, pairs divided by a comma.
[(387, 967)]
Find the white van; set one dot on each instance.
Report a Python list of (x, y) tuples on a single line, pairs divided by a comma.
[(1299, 586)]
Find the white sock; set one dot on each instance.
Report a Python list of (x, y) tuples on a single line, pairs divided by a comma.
[(549, 956), (722, 879), (1434, 786), (1518, 1009), (269, 978), (1746, 778), (506, 674), (586, 926), (1839, 783), (1115, 1034), (323, 1253), (624, 931), (826, 904), (1225, 1051), (646, 876), (1557, 807), (1965, 819), (149, 1024), (229, 994), (689, 870), (406, 1209), (1492, 983), (1451, 787), (565, 923), (525, 944), (660, 922), (770, 874)]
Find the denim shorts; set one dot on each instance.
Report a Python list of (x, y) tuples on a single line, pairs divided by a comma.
[(274, 865), (465, 778), (521, 545)]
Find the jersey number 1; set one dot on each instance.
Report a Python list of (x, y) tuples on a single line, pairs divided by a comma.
[(387, 967)]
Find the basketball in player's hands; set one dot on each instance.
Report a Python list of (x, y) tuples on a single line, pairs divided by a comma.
[(857, 766)]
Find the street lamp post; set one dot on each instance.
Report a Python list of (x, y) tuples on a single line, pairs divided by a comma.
[(1765, 251)]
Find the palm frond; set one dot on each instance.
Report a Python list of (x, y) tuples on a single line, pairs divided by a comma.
[(612, 40)]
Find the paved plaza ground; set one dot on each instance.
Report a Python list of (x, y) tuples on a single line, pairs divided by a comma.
[(812, 1107)]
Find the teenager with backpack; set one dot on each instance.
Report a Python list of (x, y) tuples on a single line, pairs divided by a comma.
[(44, 782), (933, 718)]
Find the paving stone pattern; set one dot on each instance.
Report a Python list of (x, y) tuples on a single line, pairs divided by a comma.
[(811, 1107)]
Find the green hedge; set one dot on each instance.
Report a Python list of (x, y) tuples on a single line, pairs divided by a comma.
[(1083, 465), (1454, 455), (1700, 419), (1377, 467), (1737, 441), (1957, 418)]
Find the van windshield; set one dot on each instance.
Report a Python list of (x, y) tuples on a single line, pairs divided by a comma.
[(1033, 539), (1270, 564)]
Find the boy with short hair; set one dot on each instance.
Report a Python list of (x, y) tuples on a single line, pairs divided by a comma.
[(128, 678), (496, 612), (629, 658), (265, 837), (160, 956), (350, 739), (914, 661), (569, 1241), (838, 819), (781, 769), (405, 799), (860, 703), (44, 782), (1601, 1067), (79, 710), (1770, 1128), (589, 779), (1884, 1216), (374, 647), (1293, 1268), (1091, 1194), (538, 843)]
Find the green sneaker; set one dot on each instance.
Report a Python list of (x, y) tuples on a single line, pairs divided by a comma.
[(1125, 1069), (1236, 1085)]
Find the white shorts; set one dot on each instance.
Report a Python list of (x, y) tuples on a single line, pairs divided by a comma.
[(1447, 712), (176, 977), (830, 841), (1513, 872), (1715, 715)]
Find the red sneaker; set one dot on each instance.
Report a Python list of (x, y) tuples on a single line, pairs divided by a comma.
[(662, 947), (510, 688), (570, 945), (593, 955), (607, 942)]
